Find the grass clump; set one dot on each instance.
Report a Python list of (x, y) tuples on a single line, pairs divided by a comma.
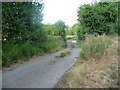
[(94, 47), (52, 62), (63, 54)]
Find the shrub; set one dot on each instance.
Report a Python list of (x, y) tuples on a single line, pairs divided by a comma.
[(53, 43), (10, 54), (13, 53)]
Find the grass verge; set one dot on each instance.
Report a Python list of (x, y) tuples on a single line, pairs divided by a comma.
[(93, 72)]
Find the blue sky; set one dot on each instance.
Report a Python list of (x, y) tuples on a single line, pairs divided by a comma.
[(65, 10)]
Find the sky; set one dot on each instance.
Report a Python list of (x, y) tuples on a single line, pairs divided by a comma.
[(65, 10)]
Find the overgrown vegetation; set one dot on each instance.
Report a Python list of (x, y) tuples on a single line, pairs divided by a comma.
[(96, 31), (52, 62), (57, 29), (94, 73), (63, 54), (94, 47), (24, 36)]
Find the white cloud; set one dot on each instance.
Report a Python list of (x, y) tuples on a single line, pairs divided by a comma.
[(65, 10)]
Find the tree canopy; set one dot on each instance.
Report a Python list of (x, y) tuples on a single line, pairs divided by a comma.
[(97, 18)]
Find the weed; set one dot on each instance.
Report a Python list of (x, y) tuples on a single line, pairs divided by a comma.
[(63, 54), (52, 62), (113, 75), (94, 47), (57, 56)]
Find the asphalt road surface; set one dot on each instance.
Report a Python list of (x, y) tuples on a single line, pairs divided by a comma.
[(39, 73)]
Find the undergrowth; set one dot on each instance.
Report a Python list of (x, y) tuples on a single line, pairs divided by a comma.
[(94, 47), (13, 53)]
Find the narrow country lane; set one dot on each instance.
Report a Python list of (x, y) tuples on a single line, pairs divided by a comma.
[(39, 73)]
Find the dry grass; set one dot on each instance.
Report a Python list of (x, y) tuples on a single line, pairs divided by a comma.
[(94, 47), (91, 73)]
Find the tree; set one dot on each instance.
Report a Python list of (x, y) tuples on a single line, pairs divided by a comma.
[(59, 30), (19, 20), (98, 18)]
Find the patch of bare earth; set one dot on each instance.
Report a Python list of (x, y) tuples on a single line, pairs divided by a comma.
[(100, 73)]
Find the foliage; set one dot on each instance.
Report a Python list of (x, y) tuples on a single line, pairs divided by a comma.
[(53, 43), (24, 36), (13, 53), (97, 19), (94, 47), (57, 29), (19, 20)]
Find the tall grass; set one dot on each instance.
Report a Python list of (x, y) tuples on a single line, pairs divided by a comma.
[(94, 47), (87, 73), (13, 53)]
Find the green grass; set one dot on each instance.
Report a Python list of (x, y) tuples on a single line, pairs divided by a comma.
[(63, 54), (94, 47)]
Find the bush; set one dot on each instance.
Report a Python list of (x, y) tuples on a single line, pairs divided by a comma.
[(94, 47), (13, 53), (8, 54), (53, 43)]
